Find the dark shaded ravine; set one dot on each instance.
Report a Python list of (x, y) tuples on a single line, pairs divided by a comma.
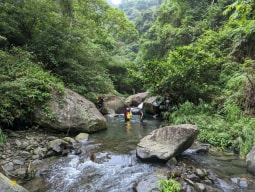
[(108, 162)]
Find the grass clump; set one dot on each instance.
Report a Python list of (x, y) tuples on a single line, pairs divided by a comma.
[(169, 185)]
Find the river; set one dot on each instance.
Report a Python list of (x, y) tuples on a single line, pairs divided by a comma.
[(108, 162)]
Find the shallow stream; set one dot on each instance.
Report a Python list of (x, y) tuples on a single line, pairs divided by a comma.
[(108, 162)]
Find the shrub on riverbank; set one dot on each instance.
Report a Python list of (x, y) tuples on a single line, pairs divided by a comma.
[(24, 84), (235, 133), (2, 137), (169, 185)]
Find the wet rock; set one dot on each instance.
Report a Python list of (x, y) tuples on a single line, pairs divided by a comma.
[(172, 162), (148, 183), (58, 145), (24, 153), (199, 187), (135, 100), (3, 156), (189, 181), (113, 104), (24, 145), (50, 153), (38, 185), (18, 162), (65, 152), (166, 142), (201, 173), (7, 185), (250, 161), (212, 189), (50, 138), (151, 105), (193, 177), (20, 171), (22, 164), (82, 137), (208, 181), (34, 157), (37, 161), (212, 177), (18, 143), (189, 189), (69, 139), (9, 167), (40, 151), (175, 173), (8, 151)]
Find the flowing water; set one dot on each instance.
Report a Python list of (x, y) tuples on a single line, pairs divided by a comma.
[(108, 162)]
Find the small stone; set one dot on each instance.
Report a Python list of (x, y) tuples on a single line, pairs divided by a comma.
[(37, 161), (193, 177), (8, 151), (24, 153), (200, 187), (18, 143), (24, 145), (69, 139), (189, 181), (18, 162), (20, 171), (40, 151), (8, 167), (35, 157), (3, 156), (172, 161), (200, 173), (207, 181), (82, 137)]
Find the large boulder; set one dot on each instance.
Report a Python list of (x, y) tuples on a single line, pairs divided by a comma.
[(135, 100), (151, 105), (6, 185), (167, 142), (113, 104), (70, 113), (250, 161)]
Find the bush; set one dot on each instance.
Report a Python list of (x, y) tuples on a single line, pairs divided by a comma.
[(2, 137), (23, 85), (169, 185), (213, 128), (218, 130)]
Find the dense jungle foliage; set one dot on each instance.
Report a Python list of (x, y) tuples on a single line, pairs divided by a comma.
[(196, 56)]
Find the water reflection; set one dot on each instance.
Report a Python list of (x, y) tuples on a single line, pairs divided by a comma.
[(128, 126), (121, 136), (137, 129)]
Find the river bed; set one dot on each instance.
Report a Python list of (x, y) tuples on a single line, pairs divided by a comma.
[(108, 162)]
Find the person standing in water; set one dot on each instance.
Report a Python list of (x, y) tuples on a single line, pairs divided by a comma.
[(141, 115), (127, 114)]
